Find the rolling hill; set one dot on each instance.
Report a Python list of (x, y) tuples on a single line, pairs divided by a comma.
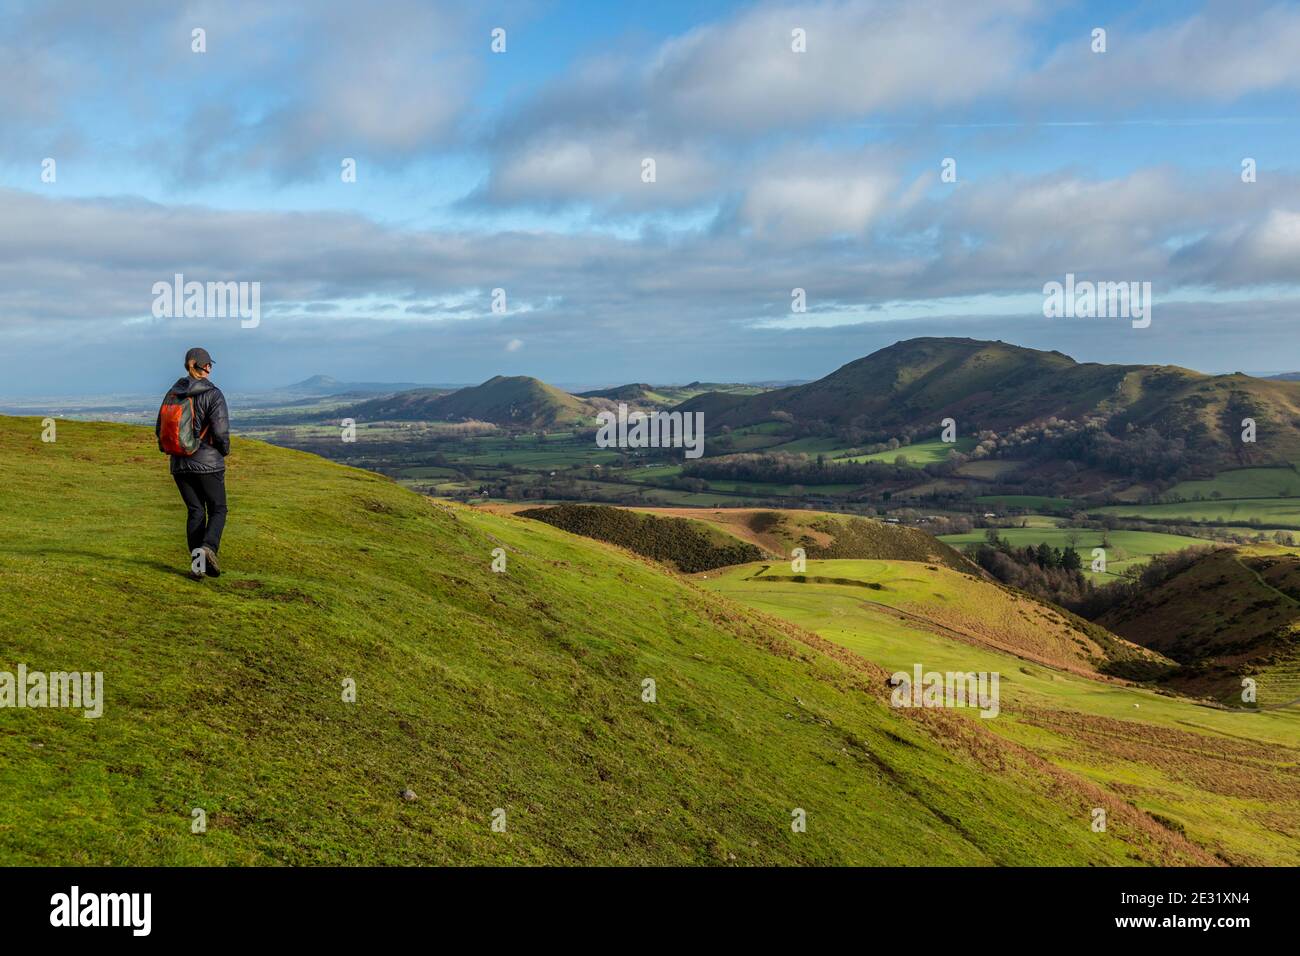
[(510, 401), (662, 396), (909, 387), (1225, 778), (978, 608), (822, 534), (1232, 613), (967, 608), (517, 697), (686, 545)]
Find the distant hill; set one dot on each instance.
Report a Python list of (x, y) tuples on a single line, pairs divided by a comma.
[(620, 393), (1229, 613), (909, 387), (663, 396), (325, 385), (1284, 377), (518, 401)]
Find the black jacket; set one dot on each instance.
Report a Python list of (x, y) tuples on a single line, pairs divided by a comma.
[(211, 413)]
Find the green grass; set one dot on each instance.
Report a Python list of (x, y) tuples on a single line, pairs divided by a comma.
[(810, 446), (1126, 548), (761, 489), (1226, 776), (477, 690), (1027, 502), (919, 454), (1242, 483), (653, 472), (1265, 512)]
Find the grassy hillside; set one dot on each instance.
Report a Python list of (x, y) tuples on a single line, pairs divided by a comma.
[(826, 535), (518, 401), (477, 690), (1233, 613), (962, 606), (1226, 779), (689, 546)]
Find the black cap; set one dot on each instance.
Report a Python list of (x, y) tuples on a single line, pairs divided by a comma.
[(199, 357)]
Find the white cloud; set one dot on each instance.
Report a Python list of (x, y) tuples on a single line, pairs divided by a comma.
[(863, 57), (814, 195), (1230, 51)]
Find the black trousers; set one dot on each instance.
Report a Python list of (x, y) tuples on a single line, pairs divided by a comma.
[(205, 502)]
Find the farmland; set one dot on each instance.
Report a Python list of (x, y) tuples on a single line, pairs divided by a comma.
[(1124, 549)]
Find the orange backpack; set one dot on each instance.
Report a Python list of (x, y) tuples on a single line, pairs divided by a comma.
[(177, 422)]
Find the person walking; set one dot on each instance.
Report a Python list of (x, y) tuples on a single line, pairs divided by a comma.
[(193, 428)]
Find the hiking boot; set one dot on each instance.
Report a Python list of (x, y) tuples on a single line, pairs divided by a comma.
[(210, 559)]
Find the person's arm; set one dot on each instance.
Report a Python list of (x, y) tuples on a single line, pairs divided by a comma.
[(219, 424)]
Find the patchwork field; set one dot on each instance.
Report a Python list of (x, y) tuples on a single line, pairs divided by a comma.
[(1026, 502), (1124, 549), (1261, 512)]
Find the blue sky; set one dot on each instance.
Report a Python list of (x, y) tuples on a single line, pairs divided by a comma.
[(521, 170)]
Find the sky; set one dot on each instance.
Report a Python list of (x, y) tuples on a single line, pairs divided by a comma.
[(502, 219)]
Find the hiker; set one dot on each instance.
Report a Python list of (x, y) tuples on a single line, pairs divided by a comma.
[(193, 427)]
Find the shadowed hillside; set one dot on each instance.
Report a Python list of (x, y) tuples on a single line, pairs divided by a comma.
[(1224, 615), (909, 387), (823, 534), (689, 546)]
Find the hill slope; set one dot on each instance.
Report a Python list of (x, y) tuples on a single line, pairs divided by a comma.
[(909, 387), (518, 401), (520, 691), (961, 606), (323, 385), (760, 531), (1226, 778), (688, 546), (643, 395), (1230, 614)]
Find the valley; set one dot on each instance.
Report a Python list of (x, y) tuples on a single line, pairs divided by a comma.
[(498, 586)]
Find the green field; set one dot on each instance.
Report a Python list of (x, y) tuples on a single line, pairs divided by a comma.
[(760, 489), (1026, 502), (1242, 483), (810, 446), (1125, 549), (1205, 768), (520, 691), (1264, 512), (920, 454)]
